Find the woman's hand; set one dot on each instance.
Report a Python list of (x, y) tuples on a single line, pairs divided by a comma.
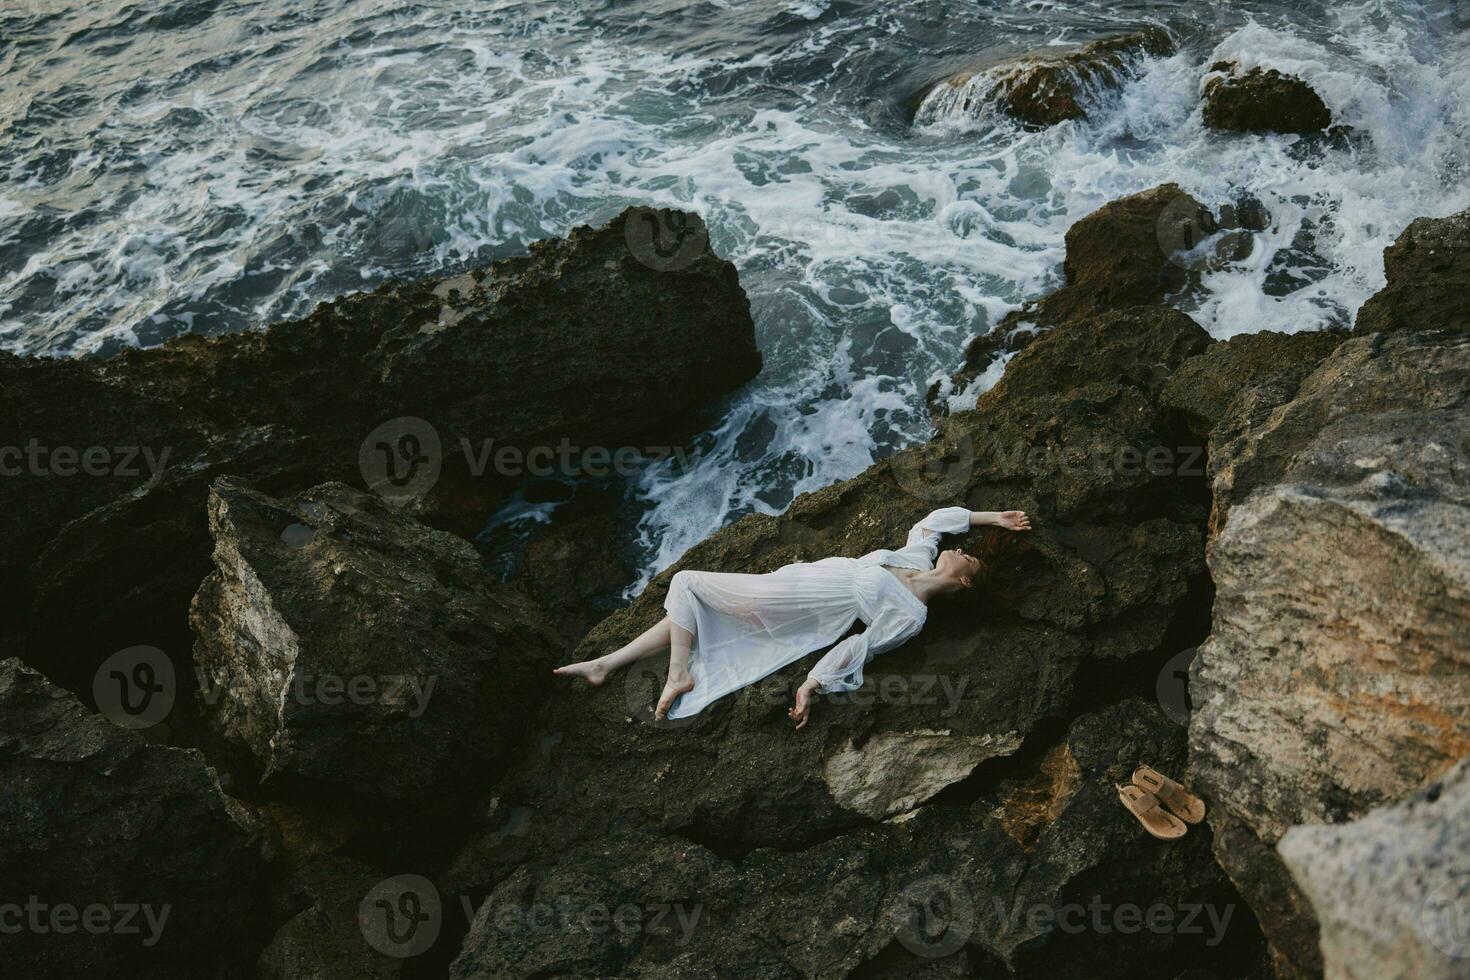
[(801, 713), (1013, 520)]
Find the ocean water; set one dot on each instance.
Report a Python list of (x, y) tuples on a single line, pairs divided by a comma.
[(214, 165)]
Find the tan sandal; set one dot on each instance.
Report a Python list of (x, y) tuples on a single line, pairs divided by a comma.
[(1179, 801), (1155, 819)]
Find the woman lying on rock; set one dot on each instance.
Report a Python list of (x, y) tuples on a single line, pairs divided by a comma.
[(726, 631)]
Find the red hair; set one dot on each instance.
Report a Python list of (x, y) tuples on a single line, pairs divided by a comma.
[(1003, 558)]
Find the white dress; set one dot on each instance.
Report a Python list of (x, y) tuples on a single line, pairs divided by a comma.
[(748, 626)]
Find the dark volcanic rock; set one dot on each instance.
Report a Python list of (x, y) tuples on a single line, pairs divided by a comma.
[(323, 937), (576, 341), (361, 656), (1337, 676), (569, 341), (1041, 90), (1428, 270), (939, 894), (1123, 254), (1262, 101), (1202, 390), (103, 830)]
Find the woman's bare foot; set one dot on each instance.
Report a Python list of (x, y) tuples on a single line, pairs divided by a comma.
[(591, 671), (679, 682)]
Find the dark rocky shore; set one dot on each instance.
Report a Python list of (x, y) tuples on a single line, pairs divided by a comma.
[(359, 767)]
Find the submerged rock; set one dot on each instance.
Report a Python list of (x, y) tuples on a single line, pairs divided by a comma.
[(1337, 676), (122, 858), (1391, 890), (1428, 270), (360, 656), (1044, 89), (408, 389), (1262, 101)]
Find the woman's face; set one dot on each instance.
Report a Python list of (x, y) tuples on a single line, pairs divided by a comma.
[(957, 565)]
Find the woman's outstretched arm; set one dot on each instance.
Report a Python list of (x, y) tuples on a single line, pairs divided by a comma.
[(958, 520), (1011, 520)]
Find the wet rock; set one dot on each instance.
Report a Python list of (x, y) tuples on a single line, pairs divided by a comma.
[(1391, 889), (125, 858), (1043, 89), (1428, 271), (1262, 101), (574, 342), (933, 895), (1201, 391), (1336, 677), (1124, 254), (360, 656)]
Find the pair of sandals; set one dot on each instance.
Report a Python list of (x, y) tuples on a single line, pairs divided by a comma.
[(1165, 808)]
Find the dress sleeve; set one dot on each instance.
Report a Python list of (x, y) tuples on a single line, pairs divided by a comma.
[(841, 669), (947, 520)]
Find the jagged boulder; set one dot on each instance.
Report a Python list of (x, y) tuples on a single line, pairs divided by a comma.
[(1362, 412), (120, 858), (1043, 89), (1203, 389), (360, 656), (107, 539), (949, 889), (1392, 890), (1428, 271), (1337, 677), (1262, 100), (1129, 252)]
